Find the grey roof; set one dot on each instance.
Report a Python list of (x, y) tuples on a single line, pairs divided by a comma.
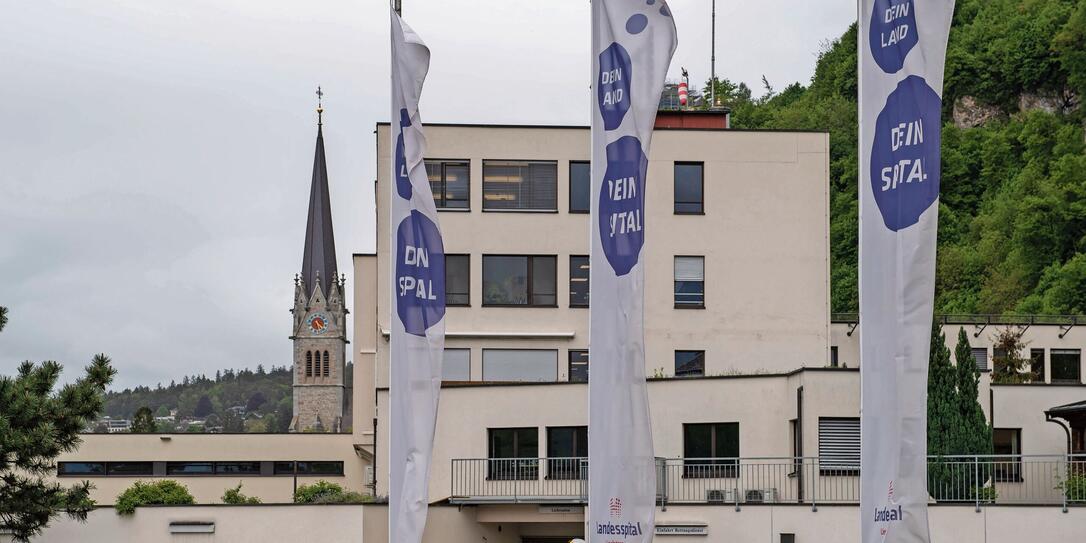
[(319, 260), (1077, 408)]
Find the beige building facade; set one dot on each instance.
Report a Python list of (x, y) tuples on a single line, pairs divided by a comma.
[(754, 388)]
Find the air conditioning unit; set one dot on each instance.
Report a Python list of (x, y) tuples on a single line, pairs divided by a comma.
[(762, 495), (720, 496)]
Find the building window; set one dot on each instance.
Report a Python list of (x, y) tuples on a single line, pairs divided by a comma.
[(326, 365), (520, 185), (711, 450), (578, 281), (450, 183), (834, 361), (578, 366), (456, 365), (458, 280), (689, 188), (1007, 443), (86, 469), (567, 447), (513, 453), (190, 468), (580, 187), (980, 355), (1066, 365), (309, 467), (130, 469), (506, 365), (1037, 364), (237, 468), (838, 445), (520, 280), (309, 363), (690, 281), (689, 363)]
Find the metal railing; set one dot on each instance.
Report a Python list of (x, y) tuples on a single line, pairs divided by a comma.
[(980, 480)]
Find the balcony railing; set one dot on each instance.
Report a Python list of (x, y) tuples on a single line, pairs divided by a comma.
[(980, 480)]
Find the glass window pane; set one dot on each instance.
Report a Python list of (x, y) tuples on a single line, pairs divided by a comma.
[(1066, 365), (580, 187), (457, 185), (129, 468), (456, 365), (189, 468), (520, 185), (689, 363), (520, 365), (578, 281), (81, 468), (457, 279), (1037, 364), (527, 443), (433, 174), (578, 366), (727, 440), (980, 354), (505, 280), (560, 442), (325, 468), (697, 440), (544, 283), (689, 268), (501, 443), (688, 188), (230, 468), (284, 468)]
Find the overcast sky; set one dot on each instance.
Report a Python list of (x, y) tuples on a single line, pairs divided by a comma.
[(155, 155)]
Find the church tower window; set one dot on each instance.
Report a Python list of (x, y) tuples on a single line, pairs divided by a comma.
[(309, 363), (326, 373)]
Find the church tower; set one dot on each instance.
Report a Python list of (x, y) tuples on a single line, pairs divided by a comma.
[(320, 314)]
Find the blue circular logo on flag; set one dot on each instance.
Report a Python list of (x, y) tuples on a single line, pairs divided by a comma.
[(613, 85), (420, 274), (403, 181), (622, 204), (905, 154), (893, 33)]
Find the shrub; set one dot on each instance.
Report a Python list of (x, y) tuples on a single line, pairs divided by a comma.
[(1074, 488), (233, 496), (324, 492), (165, 492)]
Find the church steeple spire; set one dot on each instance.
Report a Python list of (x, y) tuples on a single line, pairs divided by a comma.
[(319, 260)]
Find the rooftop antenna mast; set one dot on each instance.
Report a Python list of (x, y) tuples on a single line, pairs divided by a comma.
[(712, 62)]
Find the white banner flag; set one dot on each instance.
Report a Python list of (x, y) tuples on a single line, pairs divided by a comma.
[(902, 45), (418, 296), (632, 45)]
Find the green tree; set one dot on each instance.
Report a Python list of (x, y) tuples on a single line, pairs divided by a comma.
[(232, 423), (143, 422), (325, 492), (162, 411), (37, 425), (165, 492), (203, 407), (3, 318), (1008, 364), (943, 413), (233, 496), (972, 436)]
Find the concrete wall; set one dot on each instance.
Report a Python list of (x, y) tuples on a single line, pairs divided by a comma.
[(223, 447), (508, 524)]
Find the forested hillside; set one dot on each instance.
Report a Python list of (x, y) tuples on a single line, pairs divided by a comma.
[(264, 395), (1012, 226)]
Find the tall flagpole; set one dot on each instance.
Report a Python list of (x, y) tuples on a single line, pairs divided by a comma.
[(712, 61)]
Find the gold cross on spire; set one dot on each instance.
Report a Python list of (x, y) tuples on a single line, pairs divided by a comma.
[(320, 106)]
